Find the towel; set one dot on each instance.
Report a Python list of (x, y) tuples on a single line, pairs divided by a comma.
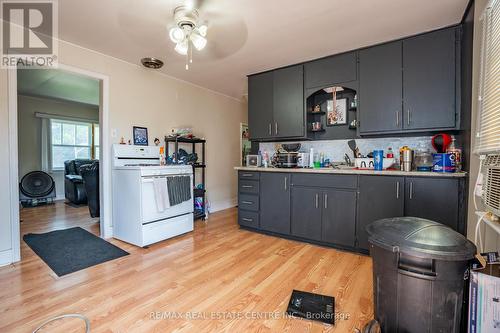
[(161, 194), (179, 189)]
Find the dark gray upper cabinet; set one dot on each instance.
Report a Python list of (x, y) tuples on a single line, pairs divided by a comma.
[(288, 102), (380, 88), (306, 212), (339, 217), (332, 70), (436, 199), (429, 80), (260, 105), (275, 202), (379, 197)]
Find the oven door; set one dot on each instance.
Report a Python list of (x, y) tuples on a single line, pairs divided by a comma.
[(150, 211)]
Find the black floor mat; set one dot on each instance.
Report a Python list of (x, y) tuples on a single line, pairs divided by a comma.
[(70, 250), (312, 306)]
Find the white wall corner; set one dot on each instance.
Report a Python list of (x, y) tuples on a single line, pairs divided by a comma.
[(221, 205)]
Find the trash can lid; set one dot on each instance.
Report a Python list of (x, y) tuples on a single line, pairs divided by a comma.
[(421, 238)]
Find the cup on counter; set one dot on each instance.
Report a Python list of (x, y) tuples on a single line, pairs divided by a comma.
[(407, 160), (378, 160)]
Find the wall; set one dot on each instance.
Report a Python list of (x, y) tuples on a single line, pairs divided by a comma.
[(5, 203), (30, 131), (147, 98), (490, 239), (335, 149)]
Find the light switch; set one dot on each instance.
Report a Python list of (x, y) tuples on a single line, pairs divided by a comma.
[(114, 133)]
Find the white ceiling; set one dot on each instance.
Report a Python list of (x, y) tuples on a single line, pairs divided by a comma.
[(58, 84), (247, 36)]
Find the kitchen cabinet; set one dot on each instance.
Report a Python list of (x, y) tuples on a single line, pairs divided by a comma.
[(276, 104), (260, 105), (429, 80), (275, 202), (436, 199), (379, 197), (334, 209), (288, 103), (339, 217), (322, 214), (306, 212), (380, 88), (332, 70)]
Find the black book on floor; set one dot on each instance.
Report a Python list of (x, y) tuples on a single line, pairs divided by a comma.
[(312, 306)]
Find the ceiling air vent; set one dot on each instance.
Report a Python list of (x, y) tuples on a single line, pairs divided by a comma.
[(491, 185), (153, 63)]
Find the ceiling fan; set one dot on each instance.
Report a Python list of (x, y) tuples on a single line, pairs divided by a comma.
[(188, 32)]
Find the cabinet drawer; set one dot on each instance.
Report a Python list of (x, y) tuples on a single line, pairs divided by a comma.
[(252, 175), (336, 181), (248, 202), (248, 186), (248, 219)]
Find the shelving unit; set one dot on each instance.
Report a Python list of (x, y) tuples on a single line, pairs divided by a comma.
[(200, 164)]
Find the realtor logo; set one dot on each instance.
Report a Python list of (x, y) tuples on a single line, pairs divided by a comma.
[(28, 34)]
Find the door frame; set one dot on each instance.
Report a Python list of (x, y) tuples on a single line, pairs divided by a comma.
[(104, 158)]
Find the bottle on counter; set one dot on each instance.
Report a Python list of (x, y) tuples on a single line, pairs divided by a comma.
[(457, 154), (311, 158), (265, 159)]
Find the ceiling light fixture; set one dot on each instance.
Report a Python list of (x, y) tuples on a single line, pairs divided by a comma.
[(187, 32)]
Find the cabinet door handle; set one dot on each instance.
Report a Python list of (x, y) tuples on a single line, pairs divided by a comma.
[(286, 180), (246, 175), (247, 220), (276, 127), (317, 200), (397, 190), (326, 200), (247, 186), (270, 130), (408, 119), (397, 118), (411, 190), (247, 202)]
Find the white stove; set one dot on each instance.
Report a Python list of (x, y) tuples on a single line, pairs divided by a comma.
[(140, 217)]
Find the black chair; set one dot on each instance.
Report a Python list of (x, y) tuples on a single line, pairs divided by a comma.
[(90, 175), (74, 190)]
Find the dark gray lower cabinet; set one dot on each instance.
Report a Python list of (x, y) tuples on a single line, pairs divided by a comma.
[(306, 212), (379, 197), (335, 209), (275, 202), (326, 215), (436, 199), (339, 217)]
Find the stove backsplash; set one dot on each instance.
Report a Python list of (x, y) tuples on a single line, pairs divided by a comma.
[(335, 149)]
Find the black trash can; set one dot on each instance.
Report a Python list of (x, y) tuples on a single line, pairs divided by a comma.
[(419, 268)]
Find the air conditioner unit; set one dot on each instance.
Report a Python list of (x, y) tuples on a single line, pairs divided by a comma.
[(491, 183)]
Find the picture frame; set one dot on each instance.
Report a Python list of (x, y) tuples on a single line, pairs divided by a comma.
[(339, 115), (140, 135)]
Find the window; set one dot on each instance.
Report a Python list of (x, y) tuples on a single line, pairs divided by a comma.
[(71, 140), (488, 131)]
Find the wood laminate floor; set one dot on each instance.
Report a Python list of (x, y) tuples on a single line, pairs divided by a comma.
[(216, 279)]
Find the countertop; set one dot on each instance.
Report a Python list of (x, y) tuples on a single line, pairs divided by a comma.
[(352, 171)]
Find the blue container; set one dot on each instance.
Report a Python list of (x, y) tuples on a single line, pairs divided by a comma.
[(378, 160), (443, 163)]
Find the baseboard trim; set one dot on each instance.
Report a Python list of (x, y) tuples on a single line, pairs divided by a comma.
[(221, 205), (5, 257)]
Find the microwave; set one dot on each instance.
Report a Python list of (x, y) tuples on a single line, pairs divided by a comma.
[(254, 161)]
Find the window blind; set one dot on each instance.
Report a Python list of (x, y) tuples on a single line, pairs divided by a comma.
[(488, 131)]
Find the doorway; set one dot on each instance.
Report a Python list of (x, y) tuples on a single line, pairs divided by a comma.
[(60, 136)]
